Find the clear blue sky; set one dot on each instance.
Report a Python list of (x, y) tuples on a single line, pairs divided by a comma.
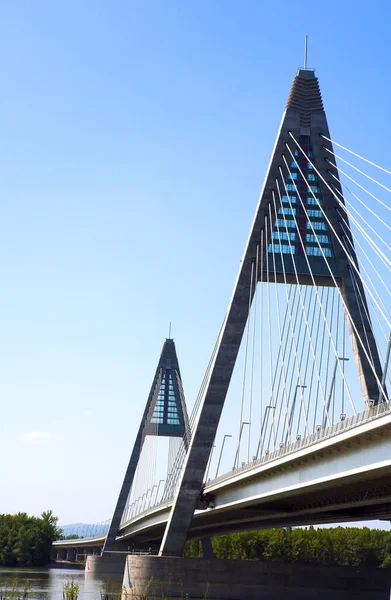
[(134, 142)]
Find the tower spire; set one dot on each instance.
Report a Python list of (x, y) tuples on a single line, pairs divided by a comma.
[(305, 51)]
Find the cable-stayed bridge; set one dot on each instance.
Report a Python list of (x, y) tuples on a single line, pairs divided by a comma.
[(329, 477), (292, 423)]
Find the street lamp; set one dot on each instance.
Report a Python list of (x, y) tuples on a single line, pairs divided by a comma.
[(136, 506), (236, 461), (385, 368), (227, 435), (172, 480), (326, 412), (158, 488), (288, 433), (209, 462), (146, 498), (263, 424), (150, 497), (141, 503)]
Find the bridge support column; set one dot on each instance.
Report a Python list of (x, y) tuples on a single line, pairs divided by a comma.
[(249, 580), (62, 554), (71, 554), (207, 548), (110, 563)]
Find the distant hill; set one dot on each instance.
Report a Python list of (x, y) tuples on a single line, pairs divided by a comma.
[(83, 529)]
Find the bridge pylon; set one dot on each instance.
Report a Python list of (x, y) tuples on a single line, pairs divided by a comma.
[(315, 249), (165, 415)]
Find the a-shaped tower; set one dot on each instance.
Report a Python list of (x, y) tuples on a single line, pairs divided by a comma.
[(165, 415), (297, 237)]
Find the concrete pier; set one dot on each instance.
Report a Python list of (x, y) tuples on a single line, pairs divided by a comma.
[(150, 576), (110, 563)]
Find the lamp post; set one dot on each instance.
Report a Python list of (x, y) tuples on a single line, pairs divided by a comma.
[(326, 412), (227, 435), (238, 448), (292, 412), (209, 462), (158, 488), (150, 497), (265, 418), (172, 481), (142, 503), (385, 367), (146, 498), (136, 506)]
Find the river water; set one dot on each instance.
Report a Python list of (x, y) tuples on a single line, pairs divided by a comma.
[(47, 584)]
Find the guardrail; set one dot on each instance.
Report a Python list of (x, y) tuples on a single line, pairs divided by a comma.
[(323, 434)]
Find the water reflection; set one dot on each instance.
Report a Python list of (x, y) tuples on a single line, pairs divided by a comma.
[(47, 584)]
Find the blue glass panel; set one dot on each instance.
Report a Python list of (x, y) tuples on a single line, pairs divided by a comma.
[(283, 235), (287, 210), (284, 249), (317, 225), (316, 251), (323, 239), (283, 223)]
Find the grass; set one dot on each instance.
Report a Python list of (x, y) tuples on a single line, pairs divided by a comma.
[(70, 590), (15, 591), (157, 590)]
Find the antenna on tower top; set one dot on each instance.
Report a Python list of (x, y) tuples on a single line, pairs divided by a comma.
[(305, 52), (169, 331)]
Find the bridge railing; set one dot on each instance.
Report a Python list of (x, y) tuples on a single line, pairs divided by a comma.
[(321, 435), (155, 507)]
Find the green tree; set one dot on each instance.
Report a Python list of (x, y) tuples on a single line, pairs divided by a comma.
[(27, 540), (345, 546)]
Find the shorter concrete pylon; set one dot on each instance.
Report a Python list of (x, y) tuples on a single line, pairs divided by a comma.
[(165, 414)]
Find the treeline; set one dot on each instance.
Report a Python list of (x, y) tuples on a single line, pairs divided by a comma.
[(27, 540), (72, 536), (346, 546)]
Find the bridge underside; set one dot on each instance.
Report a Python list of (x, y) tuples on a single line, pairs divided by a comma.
[(362, 500), (365, 500), (353, 500)]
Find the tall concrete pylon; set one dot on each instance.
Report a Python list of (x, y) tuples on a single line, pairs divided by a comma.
[(165, 414), (303, 123)]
